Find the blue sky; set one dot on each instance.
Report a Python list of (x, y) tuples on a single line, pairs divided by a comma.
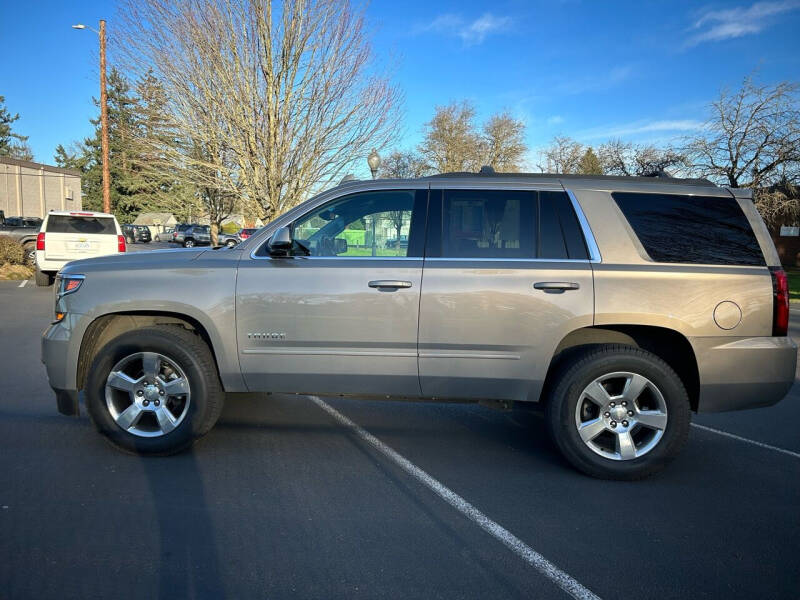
[(643, 71)]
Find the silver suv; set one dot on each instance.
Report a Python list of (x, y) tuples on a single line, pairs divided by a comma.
[(619, 304)]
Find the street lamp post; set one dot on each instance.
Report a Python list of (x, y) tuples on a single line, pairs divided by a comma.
[(103, 113), (374, 162)]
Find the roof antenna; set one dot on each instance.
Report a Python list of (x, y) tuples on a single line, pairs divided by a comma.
[(348, 177), (486, 170)]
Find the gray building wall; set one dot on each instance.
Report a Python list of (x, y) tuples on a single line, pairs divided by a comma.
[(29, 189)]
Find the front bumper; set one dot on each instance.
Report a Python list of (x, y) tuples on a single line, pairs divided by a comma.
[(741, 373), (60, 353)]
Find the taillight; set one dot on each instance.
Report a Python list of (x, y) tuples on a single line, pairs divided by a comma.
[(780, 301), (40, 241), (121, 243)]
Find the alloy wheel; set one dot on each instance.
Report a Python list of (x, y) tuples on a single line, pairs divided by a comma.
[(147, 394), (621, 415)]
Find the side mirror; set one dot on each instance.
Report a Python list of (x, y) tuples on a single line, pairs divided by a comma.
[(340, 246), (280, 243)]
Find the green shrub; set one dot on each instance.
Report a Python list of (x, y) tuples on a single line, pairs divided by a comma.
[(230, 227), (11, 251)]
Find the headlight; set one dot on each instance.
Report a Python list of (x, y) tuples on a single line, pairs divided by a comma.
[(65, 284), (68, 284)]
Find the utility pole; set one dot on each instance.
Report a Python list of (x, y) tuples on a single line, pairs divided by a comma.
[(104, 120), (103, 114)]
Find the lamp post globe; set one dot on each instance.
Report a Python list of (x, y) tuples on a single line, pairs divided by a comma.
[(374, 162)]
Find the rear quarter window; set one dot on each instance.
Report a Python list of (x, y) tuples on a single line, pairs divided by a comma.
[(84, 225), (676, 228)]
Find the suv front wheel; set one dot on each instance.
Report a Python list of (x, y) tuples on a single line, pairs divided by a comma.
[(154, 390), (618, 412)]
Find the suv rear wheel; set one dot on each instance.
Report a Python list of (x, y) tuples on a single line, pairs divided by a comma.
[(154, 390), (188, 243), (43, 279), (618, 412)]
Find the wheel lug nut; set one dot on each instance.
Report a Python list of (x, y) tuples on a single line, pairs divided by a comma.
[(608, 414), (630, 413), (139, 392), (613, 423), (161, 392), (157, 403), (624, 403), (624, 423), (613, 404), (146, 402)]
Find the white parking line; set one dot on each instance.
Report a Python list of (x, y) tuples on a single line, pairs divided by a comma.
[(24, 281), (513, 543), (746, 440)]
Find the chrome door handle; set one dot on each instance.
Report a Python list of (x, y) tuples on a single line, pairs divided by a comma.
[(556, 287), (389, 283)]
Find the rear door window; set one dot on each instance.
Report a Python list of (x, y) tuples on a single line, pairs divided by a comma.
[(504, 224), (676, 228), (80, 225)]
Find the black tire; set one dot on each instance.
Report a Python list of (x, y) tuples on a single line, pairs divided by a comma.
[(191, 354), (43, 279), (584, 367), (30, 254), (188, 243)]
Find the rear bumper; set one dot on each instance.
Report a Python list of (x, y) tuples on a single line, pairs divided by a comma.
[(740, 373)]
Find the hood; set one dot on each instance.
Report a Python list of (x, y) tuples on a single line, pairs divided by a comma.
[(148, 259)]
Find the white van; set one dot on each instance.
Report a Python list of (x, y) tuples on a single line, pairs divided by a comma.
[(67, 236)]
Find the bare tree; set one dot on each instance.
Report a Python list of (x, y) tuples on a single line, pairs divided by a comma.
[(778, 205), (752, 137), (451, 143), (562, 156), (626, 158), (281, 100), (503, 142), (401, 164)]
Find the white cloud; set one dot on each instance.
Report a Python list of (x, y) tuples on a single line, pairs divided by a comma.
[(555, 120), (717, 25), (640, 128), (471, 32)]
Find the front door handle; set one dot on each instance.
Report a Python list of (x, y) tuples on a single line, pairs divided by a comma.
[(556, 287), (389, 283)]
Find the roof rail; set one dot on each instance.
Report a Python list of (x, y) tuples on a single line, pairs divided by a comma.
[(656, 177)]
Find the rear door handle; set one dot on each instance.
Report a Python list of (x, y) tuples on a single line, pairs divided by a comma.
[(556, 287), (389, 283)]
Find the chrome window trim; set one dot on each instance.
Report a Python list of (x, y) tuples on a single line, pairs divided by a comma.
[(420, 258), (533, 260), (591, 243)]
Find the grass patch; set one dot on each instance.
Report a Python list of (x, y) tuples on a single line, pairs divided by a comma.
[(793, 275), (15, 272)]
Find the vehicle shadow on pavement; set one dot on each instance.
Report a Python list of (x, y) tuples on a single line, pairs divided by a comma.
[(187, 560)]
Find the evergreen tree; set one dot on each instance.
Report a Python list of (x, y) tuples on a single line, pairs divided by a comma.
[(590, 164), (12, 144)]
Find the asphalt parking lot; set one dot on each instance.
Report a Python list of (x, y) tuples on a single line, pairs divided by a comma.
[(297, 497)]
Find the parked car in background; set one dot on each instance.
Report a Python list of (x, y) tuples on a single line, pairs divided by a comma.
[(23, 222), (197, 235), (24, 231), (67, 236), (177, 233), (228, 239), (246, 233), (619, 304), (136, 233), (165, 235)]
